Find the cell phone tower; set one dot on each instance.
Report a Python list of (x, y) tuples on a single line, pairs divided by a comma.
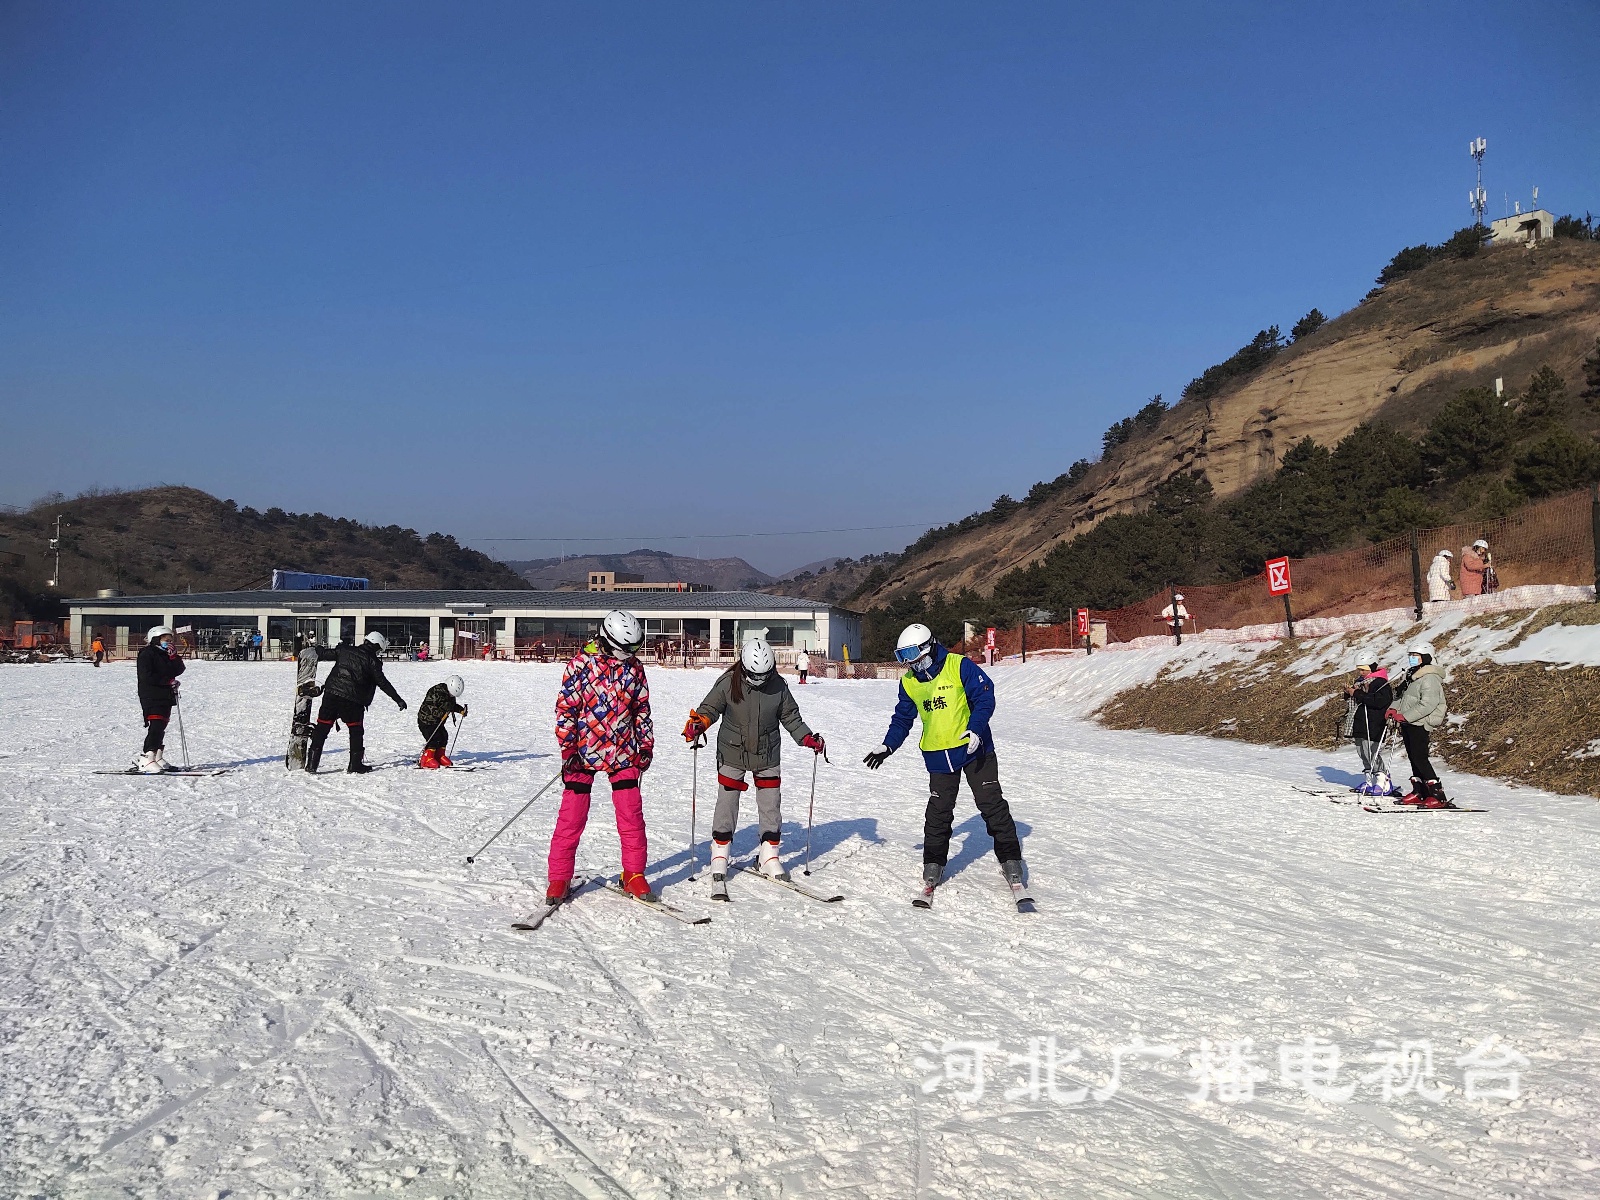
[(1478, 198)]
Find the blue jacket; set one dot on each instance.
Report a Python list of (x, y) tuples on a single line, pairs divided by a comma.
[(980, 699)]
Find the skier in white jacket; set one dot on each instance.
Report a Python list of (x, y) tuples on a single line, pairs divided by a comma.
[(1440, 585)]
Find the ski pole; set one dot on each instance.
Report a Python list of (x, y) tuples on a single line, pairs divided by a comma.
[(182, 740), (694, 828), (520, 811), (451, 753), (811, 813)]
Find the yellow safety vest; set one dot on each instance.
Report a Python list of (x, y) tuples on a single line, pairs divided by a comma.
[(942, 703)]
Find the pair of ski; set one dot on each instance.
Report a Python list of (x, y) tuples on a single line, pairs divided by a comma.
[(1019, 896), (653, 903), (1375, 804), (181, 773), (719, 887)]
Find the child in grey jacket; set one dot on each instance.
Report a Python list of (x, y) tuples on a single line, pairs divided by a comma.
[(752, 700)]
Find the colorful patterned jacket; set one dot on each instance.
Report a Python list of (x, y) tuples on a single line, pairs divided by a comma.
[(603, 712)]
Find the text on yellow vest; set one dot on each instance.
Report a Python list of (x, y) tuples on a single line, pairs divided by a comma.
[(942, 704)]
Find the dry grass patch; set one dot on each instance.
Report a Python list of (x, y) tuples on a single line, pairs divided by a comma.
[(1526, 722)]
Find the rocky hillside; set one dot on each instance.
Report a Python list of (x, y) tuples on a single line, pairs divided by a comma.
[(1395, 358), (169, 539)]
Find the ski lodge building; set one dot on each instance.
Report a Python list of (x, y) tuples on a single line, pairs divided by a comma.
[(473, 624)]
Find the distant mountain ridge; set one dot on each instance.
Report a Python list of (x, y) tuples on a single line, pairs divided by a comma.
[(169, 539), (657, 566)]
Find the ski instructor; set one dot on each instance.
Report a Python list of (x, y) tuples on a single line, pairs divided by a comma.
[(356, 677), (955, 700)]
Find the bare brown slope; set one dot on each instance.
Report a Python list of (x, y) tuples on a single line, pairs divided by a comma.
[(168, 539), (1396, 357)]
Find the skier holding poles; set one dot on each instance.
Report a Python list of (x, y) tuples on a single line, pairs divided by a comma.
[(356, 677), (435, 709), (955, 699), (752, 699), (603, 724), (158, 669)]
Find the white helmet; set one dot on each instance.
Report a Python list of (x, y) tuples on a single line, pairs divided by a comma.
[(622, 633), (757, 659), (456, 685), (915, 647), (378, 640), (159, 632), (1445, 554), (1480, 542)]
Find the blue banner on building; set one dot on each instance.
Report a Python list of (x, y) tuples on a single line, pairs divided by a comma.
[(304, 581)]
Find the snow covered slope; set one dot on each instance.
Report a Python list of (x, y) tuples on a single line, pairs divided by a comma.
[(265, 984)]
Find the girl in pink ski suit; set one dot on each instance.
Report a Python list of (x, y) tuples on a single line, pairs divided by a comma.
[(602, 724)]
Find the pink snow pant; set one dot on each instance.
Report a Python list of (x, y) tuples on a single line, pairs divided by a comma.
[(574, 816)]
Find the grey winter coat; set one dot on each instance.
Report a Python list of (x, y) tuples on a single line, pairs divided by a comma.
[(748, 739), (1421, 701)]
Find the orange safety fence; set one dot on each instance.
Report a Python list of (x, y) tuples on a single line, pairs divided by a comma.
[(1551, 542)]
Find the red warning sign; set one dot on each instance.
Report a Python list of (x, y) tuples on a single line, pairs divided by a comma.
[(1278, 582)]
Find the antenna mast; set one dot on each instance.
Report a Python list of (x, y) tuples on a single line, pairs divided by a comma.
[(55, 545), (1477, 197)]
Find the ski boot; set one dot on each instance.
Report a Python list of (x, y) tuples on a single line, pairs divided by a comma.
[(444, 760), (1415, 795), (148, 763), (767, 860), (719, 867), (161, 758), (1014, 872), (1433, 796), (635, 884), (357, 768), (556, 891), (429, 760)]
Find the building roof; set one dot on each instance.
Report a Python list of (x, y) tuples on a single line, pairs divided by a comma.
[(439, 598)]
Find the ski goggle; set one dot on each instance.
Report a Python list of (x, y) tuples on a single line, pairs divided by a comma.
[(911, 654)]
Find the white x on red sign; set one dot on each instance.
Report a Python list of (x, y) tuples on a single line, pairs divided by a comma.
[(1278, 577)]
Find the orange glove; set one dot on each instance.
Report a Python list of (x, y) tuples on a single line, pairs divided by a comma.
[(696, 725)]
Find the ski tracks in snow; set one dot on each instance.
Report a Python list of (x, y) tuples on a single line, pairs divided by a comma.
[(264, 981)]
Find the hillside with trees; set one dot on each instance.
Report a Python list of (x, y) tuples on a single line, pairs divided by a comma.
[(174, 539), (1406, 378)]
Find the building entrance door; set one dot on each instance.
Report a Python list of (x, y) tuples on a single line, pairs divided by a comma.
[(471, 637)]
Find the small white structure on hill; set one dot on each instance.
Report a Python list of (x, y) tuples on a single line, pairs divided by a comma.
[(1523, 228)]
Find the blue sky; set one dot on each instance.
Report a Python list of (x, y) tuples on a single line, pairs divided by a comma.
[(635, 271)]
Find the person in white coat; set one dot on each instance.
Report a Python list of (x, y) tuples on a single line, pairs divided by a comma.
[(802, 663), (1440, 585)]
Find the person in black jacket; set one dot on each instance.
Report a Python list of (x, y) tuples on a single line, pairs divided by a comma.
[(356, 677), (1373, 695), (159, 668)]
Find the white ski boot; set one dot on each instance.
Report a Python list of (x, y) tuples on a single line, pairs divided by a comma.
[(719, 869), (148, 763), (767, 861)]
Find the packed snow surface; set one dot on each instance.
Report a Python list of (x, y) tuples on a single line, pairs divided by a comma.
[(268, 984)]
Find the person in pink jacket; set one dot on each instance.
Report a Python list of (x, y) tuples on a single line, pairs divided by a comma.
[(1475, 561), (603, 724)]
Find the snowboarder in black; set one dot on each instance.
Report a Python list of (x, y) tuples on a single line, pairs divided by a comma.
[(356, 676), (436, 708), (159, 668)]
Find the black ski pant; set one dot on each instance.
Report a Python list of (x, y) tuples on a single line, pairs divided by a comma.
[(983, 777), (439, 738), (352, 713), (156, 715), (1416, 740)]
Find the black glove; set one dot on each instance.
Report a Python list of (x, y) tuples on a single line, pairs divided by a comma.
[(402, 705), (463, 710), (875, 759)]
